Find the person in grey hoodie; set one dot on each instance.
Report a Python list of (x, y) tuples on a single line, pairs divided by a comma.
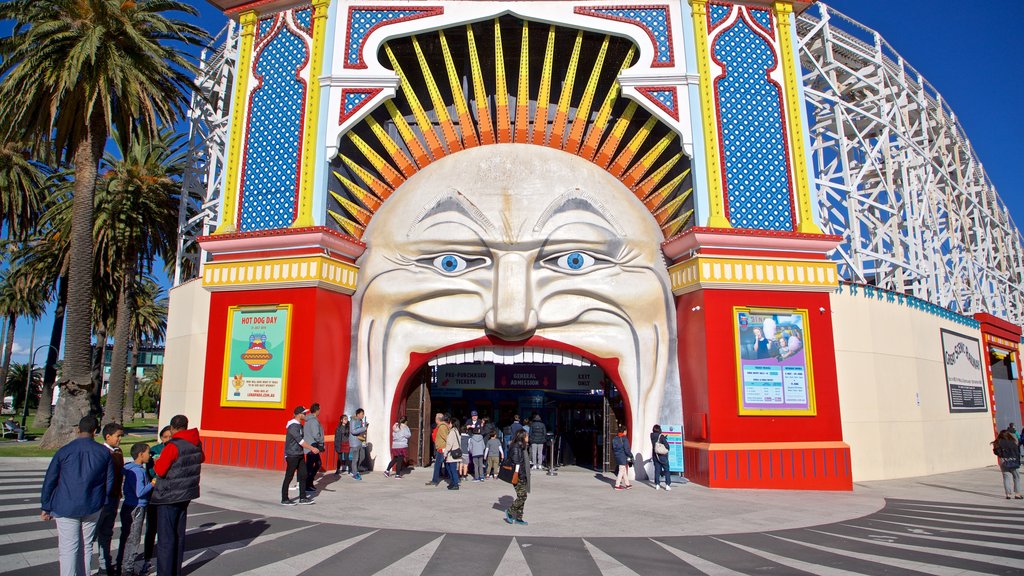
[(313, 434), (477, 447), (356, 437)]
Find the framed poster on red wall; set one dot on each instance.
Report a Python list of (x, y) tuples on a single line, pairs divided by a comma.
[(773, 362), (256, 356)]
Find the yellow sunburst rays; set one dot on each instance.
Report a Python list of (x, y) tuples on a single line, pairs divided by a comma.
[(579, 124), (501, 88), (466, 124), (425, 125), (565, 97), (452, 140), (483, 109), (540, 115), (419, 153), (604, 113), (523, 92), (394, 150), (611, 143)]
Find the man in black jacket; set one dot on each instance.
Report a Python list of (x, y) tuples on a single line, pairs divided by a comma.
[(177, 485), (294, 454), (538, 435)]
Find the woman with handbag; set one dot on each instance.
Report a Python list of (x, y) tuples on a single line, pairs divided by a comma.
[(620, 449), (400, 435), (518, 456), (1005, 447), (453, 455), (660, 458)]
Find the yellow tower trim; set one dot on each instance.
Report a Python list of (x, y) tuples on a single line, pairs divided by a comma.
[(229, 210)]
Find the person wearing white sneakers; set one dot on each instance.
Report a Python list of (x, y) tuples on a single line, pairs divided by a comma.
[(660, 458)]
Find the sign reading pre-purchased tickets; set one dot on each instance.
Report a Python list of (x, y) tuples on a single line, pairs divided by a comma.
[(965, 376)]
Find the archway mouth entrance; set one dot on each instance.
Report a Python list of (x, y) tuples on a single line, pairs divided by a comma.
[(579, 398)]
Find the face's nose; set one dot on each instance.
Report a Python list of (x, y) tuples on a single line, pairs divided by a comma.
[(512, 315)]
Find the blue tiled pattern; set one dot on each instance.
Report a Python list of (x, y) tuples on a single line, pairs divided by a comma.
[(655, 20), (361, 21), (717, 13), (762, 17), (666, 97), (304, 18), (266, 24), (758, 187), (272, 149), (353, 100)]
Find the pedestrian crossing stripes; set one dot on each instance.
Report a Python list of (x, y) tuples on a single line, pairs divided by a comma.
[(904, 537)]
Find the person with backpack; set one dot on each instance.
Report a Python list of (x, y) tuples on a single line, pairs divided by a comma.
[(477, 448), (538, 435), (621, 448), (1005, 446), (660, 458)]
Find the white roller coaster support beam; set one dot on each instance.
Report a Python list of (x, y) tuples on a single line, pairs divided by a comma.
[(898, 180), (198, 210)]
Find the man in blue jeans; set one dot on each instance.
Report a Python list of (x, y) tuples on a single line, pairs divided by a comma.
[(177, 485), (356, 437)]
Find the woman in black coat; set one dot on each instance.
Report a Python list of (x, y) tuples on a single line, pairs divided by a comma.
[(340, 439), (518, 454), (660, 460)]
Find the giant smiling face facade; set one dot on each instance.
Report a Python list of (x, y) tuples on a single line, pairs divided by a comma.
[(515, 242)]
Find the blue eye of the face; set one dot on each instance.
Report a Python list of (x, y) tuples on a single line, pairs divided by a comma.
[(575, 261), (450, 263)]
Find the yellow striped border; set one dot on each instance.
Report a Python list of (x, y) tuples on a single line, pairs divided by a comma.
[(753, 274), (300, 272)]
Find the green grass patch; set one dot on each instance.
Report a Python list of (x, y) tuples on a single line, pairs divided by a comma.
[(141, 430)]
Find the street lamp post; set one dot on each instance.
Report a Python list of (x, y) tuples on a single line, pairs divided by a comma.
[(28, 379)]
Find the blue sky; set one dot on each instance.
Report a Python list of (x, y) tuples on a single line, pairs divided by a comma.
[(971, 53)]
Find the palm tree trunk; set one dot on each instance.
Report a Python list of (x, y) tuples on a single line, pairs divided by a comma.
[(75, 382), (96, 371), (119, 360), (50, 372), (129, 389), (12, 322)]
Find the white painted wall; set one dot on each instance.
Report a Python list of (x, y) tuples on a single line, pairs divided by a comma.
[(892, 392), (185, 359)]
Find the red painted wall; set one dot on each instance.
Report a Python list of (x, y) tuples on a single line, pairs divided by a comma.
[(707, 362), (321, 329)]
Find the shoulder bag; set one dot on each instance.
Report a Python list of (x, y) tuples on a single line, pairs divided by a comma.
[(659, 448)]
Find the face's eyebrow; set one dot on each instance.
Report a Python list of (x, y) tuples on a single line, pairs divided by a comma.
[(576, 199), (455, 202)]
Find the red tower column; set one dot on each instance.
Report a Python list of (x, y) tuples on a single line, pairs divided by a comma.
[(767, 419), (300, 281)]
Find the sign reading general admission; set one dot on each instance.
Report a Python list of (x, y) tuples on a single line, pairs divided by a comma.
[(965, 376)]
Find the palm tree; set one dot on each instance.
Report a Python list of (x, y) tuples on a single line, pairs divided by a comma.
[(21, 294), (149, 324), (22, 189), (71, 70), (14, 385), (136, 222)]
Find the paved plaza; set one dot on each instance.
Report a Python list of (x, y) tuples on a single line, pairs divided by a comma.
[(954, 523)]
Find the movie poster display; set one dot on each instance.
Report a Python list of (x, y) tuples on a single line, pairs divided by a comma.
[(965, 376), (773, 362), (256, 356)]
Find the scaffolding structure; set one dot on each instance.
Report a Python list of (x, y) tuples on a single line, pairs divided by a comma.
[(209, 110), (897, 178)]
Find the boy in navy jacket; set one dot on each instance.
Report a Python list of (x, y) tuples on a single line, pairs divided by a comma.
[(137, 486)]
